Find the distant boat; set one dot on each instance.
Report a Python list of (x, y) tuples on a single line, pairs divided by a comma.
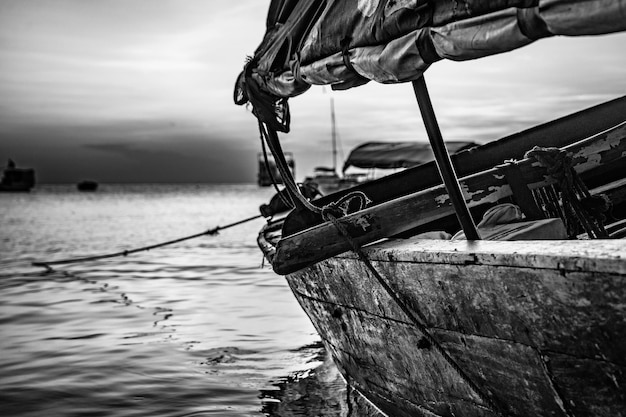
[(326, 179), (382, 156), (87, 185), (17, 179), (268, 171), (398, 155)]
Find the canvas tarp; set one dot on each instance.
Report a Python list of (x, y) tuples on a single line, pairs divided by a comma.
[(388, 155), (346, 43)]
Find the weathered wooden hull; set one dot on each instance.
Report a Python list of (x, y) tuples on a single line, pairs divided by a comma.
[(490, 328), (525, 328)]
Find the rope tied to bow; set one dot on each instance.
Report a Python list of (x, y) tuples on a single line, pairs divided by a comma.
[(349, 203), (569, 198), (126, 252)]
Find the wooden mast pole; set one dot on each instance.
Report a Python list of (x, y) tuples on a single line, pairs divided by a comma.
[(442, 158)]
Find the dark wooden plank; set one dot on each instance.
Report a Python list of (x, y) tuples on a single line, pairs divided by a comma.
[(394, 217)]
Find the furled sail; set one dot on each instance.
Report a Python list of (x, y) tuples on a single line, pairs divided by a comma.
[(346, 43), (390, 155)]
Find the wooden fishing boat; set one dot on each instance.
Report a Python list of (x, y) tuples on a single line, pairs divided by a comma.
[(502, 291), (328, 180), (87, 185), (268, 173), (16, 179), (398, 155), (379, 159)]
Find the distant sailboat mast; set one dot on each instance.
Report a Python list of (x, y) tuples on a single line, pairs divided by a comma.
[(333, 133)]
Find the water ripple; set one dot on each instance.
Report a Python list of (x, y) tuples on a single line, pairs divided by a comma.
[(194, 329)]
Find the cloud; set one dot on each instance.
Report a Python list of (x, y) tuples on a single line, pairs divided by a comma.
[(153, 81), (135, 151)]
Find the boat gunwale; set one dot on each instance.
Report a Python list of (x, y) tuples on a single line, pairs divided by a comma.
[(589, 255), (611, 139), (585, 255)]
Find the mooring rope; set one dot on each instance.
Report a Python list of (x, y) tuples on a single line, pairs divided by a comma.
[(289, 203), (213, 231), (271, 138), (570, 197)]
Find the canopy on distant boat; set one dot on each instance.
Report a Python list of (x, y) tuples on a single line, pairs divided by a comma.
[(324, 169), (347, 43), (389, 155)]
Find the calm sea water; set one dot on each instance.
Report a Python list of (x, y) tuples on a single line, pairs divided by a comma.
[(199, 328)]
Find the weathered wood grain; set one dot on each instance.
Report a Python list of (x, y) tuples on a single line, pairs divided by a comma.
[(590, 387), (375, 360), (540, 328)]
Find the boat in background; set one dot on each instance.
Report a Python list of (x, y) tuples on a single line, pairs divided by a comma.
[(268, 173), (87, 185), (378, 159), (398, 155), (499, 292), (326, 179), (17, 179)]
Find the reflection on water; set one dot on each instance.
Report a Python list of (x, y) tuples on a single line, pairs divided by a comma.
[(319, 391), (195, 329)]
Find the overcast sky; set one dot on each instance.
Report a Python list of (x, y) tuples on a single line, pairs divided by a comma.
[(141, 91)]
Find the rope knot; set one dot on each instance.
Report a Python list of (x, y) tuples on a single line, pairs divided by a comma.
[(349, 203), (557, 162), (212, 232), (597, 205), (572, 200)]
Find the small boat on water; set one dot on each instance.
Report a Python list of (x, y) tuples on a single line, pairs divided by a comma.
[(502, 290), (378, 156), (327, 180), (17, 179), (268, 173), (398, 155), (87, 185), (373, 156)]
